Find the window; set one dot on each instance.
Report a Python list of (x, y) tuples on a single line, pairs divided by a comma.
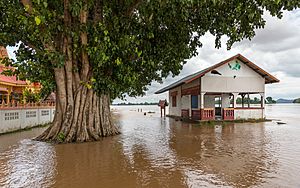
[(174, 101), (194, 101)]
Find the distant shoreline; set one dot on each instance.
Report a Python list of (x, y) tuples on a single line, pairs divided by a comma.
[(135, 104)]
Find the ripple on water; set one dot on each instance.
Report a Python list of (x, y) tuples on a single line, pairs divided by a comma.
[(27, 164), (155, 152)]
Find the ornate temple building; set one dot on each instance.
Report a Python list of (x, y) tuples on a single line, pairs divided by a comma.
[(11, 88)]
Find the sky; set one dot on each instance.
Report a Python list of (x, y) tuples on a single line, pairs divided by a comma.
[(276, 49)]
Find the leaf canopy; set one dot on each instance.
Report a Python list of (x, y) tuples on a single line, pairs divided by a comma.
[(132, 43)]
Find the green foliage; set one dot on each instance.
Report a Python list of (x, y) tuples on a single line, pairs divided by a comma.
[(31, 96), (296, 100), (255, 100), (133, 42), (270, 100), (61, 137)]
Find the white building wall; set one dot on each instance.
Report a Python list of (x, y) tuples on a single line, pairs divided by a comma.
[(175, 111), (243, 80), (186, 103), (248, 113), (16, 119)]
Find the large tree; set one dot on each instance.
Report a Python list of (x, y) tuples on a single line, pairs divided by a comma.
[(92, 51)]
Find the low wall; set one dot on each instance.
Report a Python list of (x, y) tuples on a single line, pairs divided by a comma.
[(255, 113), (13, 119)]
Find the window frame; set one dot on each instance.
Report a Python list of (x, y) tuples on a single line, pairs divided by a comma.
[(197, 104)]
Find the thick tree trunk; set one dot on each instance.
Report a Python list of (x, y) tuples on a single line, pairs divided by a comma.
[(81, 114), (88, 118)]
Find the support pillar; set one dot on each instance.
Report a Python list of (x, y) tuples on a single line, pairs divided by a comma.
[(7, 99), (262, 99), (248, 96), (235, 96), (8, 96), (262, 96), (202, 100), (243, 97)]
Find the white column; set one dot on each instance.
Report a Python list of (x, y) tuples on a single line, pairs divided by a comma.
[(235, 96), (202, 100)]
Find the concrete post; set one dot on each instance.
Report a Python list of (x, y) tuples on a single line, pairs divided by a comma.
[(202, 100), (262, 98), (243, 97), (235, 96), (263, 104), (248, 96)]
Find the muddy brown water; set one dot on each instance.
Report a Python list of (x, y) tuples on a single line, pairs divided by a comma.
[(158, 152)]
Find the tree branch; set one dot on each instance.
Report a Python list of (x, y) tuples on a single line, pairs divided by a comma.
[(132, 7), (27, 4), (98, 12)]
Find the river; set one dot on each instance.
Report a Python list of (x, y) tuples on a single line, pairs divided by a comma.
[(161, 152)]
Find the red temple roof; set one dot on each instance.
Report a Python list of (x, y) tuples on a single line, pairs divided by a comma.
[(10, 79)]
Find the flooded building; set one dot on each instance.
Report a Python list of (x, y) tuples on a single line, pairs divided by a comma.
[(232, 89)]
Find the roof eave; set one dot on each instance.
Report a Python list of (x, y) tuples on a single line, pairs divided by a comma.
[(168, 89)]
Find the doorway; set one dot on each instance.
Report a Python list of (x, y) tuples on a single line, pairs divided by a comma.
[(218, 107)]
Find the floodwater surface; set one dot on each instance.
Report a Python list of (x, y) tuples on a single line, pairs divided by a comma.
[(161, 152)]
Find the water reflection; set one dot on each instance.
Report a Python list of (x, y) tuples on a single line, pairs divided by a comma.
[(28, 164), (235, 155), (158, 152)]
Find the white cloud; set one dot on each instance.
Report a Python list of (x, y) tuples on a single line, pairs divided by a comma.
[(276, 48)]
